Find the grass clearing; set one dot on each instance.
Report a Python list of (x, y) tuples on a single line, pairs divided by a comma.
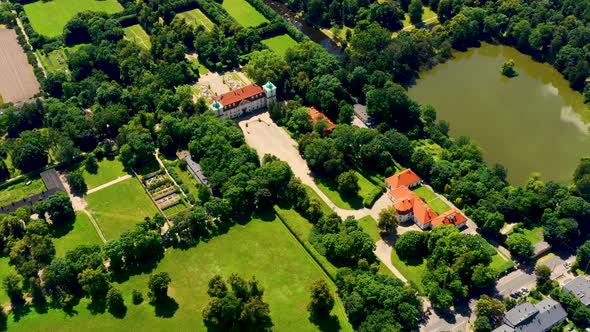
[(108, 170), (280, 43), (196, 17), (83, 232), (414, 272), (369, 225), (535, 235), (57, 61), (312, 194), (428, 196), (119, 207), (136, 34), (330, 188), (50, 17), (263, 248), (428, 15), (5, 269), (20, 190), (244, 13), (501, 263)]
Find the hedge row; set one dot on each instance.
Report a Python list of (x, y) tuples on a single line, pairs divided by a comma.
[(373, 196), (278, 23)]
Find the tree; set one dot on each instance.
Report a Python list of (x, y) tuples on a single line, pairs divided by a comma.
[(158, 286), (300, 121), (91, 164), (482, 324), (266, 65), (416, 11), (348, 184), (12, 286), (583, 256), (239, 309), (115, 303), (508, 68), (561, 233), (77, 183), (544, 282), (58, 207), (322, 300), (95, 283), (29, 151), (387, 221), (412, 245), (483, 276), (136, 296), (520, 246), (490, 308), (138, 150)]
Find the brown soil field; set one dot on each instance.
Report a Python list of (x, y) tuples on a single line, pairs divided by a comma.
[(17, 81)]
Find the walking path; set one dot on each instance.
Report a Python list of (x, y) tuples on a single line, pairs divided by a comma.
[(95, 224), (108, 184), (22, 29), (383, 251)]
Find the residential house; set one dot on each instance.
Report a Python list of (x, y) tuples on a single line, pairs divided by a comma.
[(527, 317), (315, 115), (410, 207), (580, 287), (244, 100)]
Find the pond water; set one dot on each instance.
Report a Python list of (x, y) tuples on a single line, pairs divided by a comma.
[(531, 123)]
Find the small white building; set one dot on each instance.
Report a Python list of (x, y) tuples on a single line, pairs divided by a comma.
[(244, 100)]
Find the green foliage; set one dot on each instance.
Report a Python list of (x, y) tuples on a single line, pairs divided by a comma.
[(77, 183), (322, 300), (29, 151), (13, 288), (387, 220), (520, 246), (348, 183), (508, 69), (490, 309), (416, 10), (158, 287), (115, 303), (58, 207), (136, 296), (266, 65), (412, 245), (242, 308)]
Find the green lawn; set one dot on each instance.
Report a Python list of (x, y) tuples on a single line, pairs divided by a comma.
[(432, 199), (175, 209), (500, 263), (430, 147), (50, 17), (119, 207), (330, 188), (261, 248), (196, 17), (413, 272), (312, 194), (137, 34), (108, 170), (83, 232), (280, 43), (21, 190), (244, 13), (57, 61), (369, 225), (534, 235)]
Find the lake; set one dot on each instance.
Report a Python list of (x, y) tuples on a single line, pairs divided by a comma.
[(530, 123)]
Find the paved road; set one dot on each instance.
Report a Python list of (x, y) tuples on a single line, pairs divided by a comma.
[(108, 184), (514, 281)]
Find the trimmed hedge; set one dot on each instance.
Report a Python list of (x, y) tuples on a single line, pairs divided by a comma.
[(373, 196)]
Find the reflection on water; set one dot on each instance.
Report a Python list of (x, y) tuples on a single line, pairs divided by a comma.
[(531, 123)]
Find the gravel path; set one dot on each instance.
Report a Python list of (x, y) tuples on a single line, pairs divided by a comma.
[(108, 184)]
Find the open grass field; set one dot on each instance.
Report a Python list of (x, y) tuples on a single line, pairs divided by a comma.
[(83, 232), (119, 207), (369, 225), (196, 17), (244, 13), (432, 199), (57, 61), (534, 235), (108, 170), (21, 190), (414, 271), (137, 34), (18, 80), (261, 248), (280, 43), (330, 188), (50, 17)]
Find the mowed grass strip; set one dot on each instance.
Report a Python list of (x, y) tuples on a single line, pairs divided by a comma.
[(21, 190), (244, 13), (119, 207), (196, 17), (83, 232), (136, 34), (280, 43), (330, 188), (5, 269), (50, 17), (109, 169), (414, 271), (261, 248), (432, 199)]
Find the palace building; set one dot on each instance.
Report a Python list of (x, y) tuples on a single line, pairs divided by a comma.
[(242, 101)]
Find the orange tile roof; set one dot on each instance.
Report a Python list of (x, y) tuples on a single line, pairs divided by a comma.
[(316, 115), (422, 212), (451, 217), (238, 95), (403, 178), (404, 200)]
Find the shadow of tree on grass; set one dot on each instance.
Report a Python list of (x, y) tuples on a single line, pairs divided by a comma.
[(326, 323), (165, 308)]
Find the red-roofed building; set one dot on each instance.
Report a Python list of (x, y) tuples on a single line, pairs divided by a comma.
[(406, 178), (243, 100), (451, 217), (410, 207), (315, 115)]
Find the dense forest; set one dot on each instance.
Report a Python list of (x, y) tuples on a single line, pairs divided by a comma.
[(118, 96)]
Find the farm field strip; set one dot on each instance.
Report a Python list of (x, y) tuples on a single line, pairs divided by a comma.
[(18, 81)]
